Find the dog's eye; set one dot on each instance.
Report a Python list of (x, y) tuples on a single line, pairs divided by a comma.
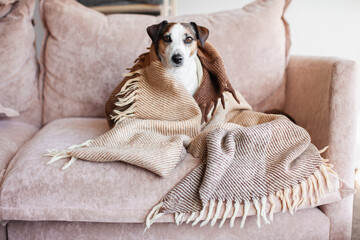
[(188, 40), (167, 38)]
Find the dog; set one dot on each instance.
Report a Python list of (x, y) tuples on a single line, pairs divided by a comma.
[(176, 45)]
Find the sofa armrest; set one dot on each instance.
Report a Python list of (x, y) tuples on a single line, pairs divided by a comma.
[(321, 94)]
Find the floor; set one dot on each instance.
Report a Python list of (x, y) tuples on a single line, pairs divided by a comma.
[(356, 214)]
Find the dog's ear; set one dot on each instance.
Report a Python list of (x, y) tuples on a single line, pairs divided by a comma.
[(154, 31), (202, 33)]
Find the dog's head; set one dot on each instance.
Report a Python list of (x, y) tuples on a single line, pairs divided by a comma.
[(176, 43)]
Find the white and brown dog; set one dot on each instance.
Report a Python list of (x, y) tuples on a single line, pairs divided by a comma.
[(176, 45)]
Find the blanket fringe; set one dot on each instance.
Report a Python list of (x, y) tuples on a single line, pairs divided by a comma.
[(228, 207), (217, 213), (153, 215), (58, 155), (246, 212), (272, 207), (128, 95), (263, 210), (311, 190), (201, 215), (236, 209), (191, 217), (210, 212), (295, 197), (257, 208), (280, 195), (179, 218)]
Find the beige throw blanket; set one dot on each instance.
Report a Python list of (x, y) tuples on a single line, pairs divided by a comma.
[(249, 158)]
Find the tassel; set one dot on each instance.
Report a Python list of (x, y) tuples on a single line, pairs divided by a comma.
[(176, 216), (326, 177), (311, 192), (126, 100), (131, 91), (129, 112), (51, 152), (217, 213), (179, 218), (227, 210), (272, 208), (128, 83), (58, 156), (82, 145), (236, 209), (295, 195), (129, 74), (153, 215), (210, 212), (72, 160), (263, 209), (280, 195), (287, 200), (316, 189), (66, 154), (303, 194), (329, 166), (246, 212), (323, 150), (201, 215), (191, 217), (257, 207), (319, 182)]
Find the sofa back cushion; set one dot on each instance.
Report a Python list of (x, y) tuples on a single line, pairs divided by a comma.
[(85, 53), (19, 88)]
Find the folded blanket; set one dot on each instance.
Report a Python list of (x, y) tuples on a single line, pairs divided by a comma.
[(249, 158)]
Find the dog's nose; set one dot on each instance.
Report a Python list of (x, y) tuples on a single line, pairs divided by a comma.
[(177, 58)]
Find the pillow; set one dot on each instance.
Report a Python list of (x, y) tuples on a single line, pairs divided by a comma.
[(85, 53), (18, 65)]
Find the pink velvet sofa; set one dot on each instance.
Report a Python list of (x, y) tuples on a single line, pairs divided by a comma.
[(61, 97)]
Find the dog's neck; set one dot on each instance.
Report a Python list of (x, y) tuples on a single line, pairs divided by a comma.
[(189, 74)]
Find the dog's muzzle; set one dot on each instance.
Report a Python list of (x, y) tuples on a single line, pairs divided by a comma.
[(177, 59)]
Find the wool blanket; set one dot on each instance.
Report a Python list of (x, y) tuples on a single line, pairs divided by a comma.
[(248, 158)]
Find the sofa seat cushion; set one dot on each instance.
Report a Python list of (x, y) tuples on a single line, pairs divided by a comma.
[(307, 224), (13, 134), (102, 192), (88, 191)]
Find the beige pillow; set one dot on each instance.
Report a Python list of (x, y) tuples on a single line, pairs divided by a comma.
[(18, 65), (85, 53)]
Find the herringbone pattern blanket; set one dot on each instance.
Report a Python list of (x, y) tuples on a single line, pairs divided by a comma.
[(249, 158)]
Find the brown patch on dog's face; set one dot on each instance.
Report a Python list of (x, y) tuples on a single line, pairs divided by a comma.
[(161, 44), (190, 32)]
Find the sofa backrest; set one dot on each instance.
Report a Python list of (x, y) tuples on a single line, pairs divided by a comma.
[(85, 53), (19, 88)]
